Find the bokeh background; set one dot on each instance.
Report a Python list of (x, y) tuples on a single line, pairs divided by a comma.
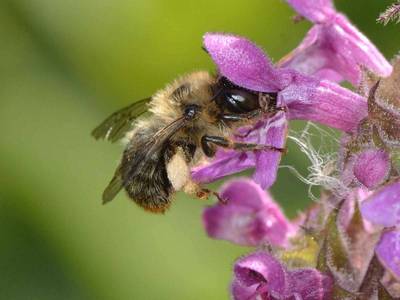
[(64, 66)]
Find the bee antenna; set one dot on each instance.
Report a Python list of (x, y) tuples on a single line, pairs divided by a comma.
[(216, 94), (204, 49)]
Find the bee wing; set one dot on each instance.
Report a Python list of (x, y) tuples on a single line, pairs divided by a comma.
[(163, 135), (154, 145), (113, 187), (119, 123)]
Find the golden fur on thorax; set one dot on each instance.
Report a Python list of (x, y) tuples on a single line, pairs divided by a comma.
[(168, 104)]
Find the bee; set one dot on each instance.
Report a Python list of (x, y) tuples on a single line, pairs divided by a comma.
[(189, 119)]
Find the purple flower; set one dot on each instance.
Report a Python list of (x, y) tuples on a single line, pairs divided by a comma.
[(250, 218), (367, 153), (388, 251), (333, 48), (324, 102), (372, 167), (383, 208), (261, 276), (368, 166), (304, 97)]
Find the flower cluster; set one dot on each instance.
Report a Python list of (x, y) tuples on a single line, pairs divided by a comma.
[(307, 94), (333, 48), (347, 245)]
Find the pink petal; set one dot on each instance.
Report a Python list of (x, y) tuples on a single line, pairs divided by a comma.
[(267, 278), (388, 251), (250, 218), (309, 56), (261, 268), (372, 167), (310, 284), (225, 163), (267, 162), (316, 10), (383, 207), (242, 62), (316, 56), (240, 292), (356, 47), (324, 102), (334, 49)]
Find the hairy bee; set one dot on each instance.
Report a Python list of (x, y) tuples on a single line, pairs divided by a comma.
[(189, 119)]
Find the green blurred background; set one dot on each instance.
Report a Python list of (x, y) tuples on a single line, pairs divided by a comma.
[(64, 66)]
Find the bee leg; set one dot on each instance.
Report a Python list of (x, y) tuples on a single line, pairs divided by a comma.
[(268, 104), (274, 110), (265, 101), (220, 199), (200, 192), (244, 135), (225, 143), (241, 117), (205, 194), (208, 149), (254, 147), (269, 112)]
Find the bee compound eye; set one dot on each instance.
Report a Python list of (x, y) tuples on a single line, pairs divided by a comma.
[(239, 101)]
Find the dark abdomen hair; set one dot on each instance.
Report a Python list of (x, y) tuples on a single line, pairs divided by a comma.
[(144, 178)]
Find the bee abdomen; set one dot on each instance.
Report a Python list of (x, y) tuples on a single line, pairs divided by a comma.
[(145, 178), (150, 192)]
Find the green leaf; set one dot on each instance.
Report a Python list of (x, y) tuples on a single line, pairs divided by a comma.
[(337, 254), (304, 255), (334, 257)]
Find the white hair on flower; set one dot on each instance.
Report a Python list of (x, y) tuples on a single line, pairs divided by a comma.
[(323, 169)]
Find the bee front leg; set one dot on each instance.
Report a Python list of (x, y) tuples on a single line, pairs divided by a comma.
[(251, 116), (225, 143), (208, 149), (242, 117)]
